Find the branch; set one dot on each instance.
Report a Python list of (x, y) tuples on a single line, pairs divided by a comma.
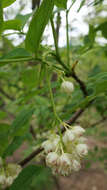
[(32, 132), (30, 157), (80, 82)]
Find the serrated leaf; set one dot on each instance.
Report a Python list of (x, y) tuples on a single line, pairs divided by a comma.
[(7, 3), (61, 4), (24, 179), (38, 24), (21, 120)]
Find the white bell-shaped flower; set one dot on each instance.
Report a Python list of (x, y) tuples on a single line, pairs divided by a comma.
[(82, 149), (67, 86), (68, 136), (48, 146), (65, 159), (52, 159), (64, 164), (9, 180), (76, 165), (78, 131), (51, 144)]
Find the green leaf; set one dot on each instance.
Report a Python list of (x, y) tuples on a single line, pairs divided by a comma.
[(24, 180), (12, 25), (23, 19), (103, 28), (30, 81), (38, 24), (16, 53), (101, 87), (92, 34), (14, 145), (81, 5), (7, 3), (4, 127), (4, 132), (61, 4), (1, 17), (3, 114), (21, 120)]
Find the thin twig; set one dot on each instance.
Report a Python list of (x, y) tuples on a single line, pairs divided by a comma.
[(79, 81), (30, 157), (32, 132)]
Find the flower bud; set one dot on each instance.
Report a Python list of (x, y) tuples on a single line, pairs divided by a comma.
[(68, 136), (78, 131), (67, 86), (52, 159), (76, 165), (82, 149)]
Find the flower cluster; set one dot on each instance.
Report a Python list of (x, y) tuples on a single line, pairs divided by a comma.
[(8, 174), (63, 154)]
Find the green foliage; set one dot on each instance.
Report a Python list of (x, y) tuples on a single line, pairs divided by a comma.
[(16, 53), (25, 177), (12, 25), (24, 90), (61, 3), (38, 24), (43, 180), (13, 146), (21, 120), (1, 17), (103, 28), (90, 38), (4, 132), (7, 3), (23, 19)]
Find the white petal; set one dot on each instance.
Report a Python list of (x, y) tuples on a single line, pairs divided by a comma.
[(67, 86), (82, 149)]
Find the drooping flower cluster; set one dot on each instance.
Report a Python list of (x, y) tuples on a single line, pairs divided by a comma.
[(63, 154), (8, 174)]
